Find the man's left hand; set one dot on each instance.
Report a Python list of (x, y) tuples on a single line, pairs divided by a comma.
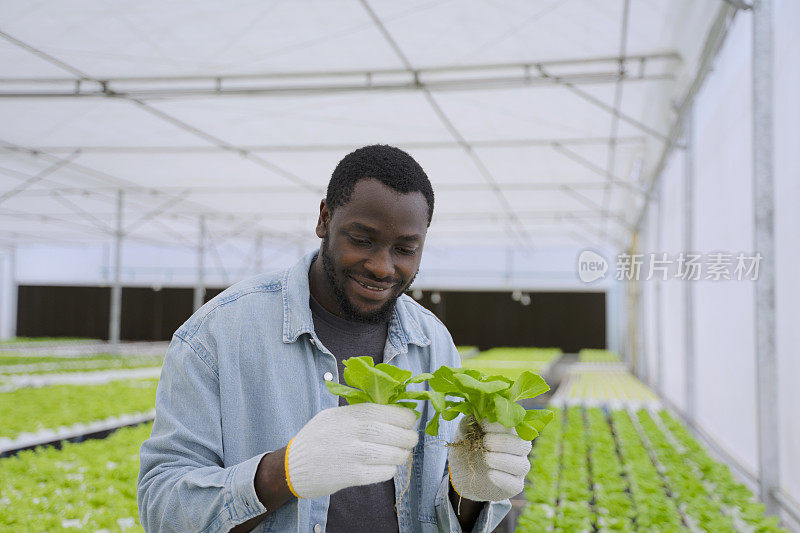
[(495, 469)]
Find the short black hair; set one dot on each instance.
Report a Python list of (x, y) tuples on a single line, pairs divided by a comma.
[(389, 165)]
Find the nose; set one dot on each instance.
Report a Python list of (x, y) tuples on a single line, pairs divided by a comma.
[(379, 264)]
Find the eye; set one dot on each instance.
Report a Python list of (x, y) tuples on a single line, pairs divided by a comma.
[(359, 242), (407, 251)]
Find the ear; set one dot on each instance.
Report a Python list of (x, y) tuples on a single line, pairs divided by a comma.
[(324, 219)]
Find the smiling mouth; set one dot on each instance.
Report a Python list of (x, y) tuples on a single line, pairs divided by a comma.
[(373, 288)]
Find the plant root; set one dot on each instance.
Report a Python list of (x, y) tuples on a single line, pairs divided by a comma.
[(408, 464)]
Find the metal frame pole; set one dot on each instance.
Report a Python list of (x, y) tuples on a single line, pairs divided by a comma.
[(641, 328), (8, 294), (659, 355), (199, 288), (764, 208), (116, 288), (688, 286), (613, 323)]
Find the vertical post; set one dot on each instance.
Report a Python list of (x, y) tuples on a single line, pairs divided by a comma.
[(612, 319), (764, 206), (116, 288), (659, 316), (688, 287), (641, 329), (8, 295), (199, 288), (632, 286)]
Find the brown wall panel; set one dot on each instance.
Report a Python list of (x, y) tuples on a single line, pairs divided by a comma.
[(567, 320)]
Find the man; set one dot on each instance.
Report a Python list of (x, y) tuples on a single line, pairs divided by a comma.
[(246, 433)]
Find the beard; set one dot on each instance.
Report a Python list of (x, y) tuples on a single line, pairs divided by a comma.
[(349, 310)]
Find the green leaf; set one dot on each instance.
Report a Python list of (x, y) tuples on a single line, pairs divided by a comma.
[(359, 372), (433, 426), (457, 407), (528, 385), (353, 396), (409, 395), (469, 384), (507, 412), (538, 418), (419, 378), (437, 400), (397, 373), (443, 380), (473, 373), (410, 405), (526, 431)]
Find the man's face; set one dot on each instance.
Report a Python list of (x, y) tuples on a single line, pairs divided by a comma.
[(372, 248)]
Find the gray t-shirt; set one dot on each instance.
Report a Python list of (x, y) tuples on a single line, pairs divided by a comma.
[(366, 508)]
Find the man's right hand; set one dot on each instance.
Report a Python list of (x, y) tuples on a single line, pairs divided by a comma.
[(347, 446)]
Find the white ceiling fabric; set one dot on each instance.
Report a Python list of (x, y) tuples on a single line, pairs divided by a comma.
[(239, 111)]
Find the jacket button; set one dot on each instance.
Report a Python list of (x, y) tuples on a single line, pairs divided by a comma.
[(327, 376), (317, 528)]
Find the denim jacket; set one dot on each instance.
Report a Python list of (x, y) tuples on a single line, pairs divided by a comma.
[(241, 377)]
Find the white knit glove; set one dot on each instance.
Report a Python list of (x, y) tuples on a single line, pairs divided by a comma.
[(494, 471), (347, 446)]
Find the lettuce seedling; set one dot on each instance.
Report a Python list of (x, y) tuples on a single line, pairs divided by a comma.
[(382, 383), (493, 398)]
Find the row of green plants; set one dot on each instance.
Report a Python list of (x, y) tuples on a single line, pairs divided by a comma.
[(541, 490), (25, 340), (574, 512), (595, 470), (24, 359), (736, 497), (28, 410), (656, 509), (511, 362), (697, 503), (66, 366), (89, 486), (588, 355), (614, 508), (603, 386)]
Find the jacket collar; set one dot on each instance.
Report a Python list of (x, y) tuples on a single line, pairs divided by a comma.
[(403, 327)]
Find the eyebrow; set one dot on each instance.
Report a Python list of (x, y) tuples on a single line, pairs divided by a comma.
[(372, 231)]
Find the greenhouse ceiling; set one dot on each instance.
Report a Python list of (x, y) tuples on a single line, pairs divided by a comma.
[(539, 123)]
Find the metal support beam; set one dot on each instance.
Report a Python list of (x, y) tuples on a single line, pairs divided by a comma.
[(248, 190), (714, 39), (613, 324), (8, 294), (38, 177), (520, 231), (641, 313), (200, 288), (764, 230), (171, 202), (688, 286), (331, 147), (611, 178), (600, 70), (633, 291), (659, 315), (611, 160), (116, 288)]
